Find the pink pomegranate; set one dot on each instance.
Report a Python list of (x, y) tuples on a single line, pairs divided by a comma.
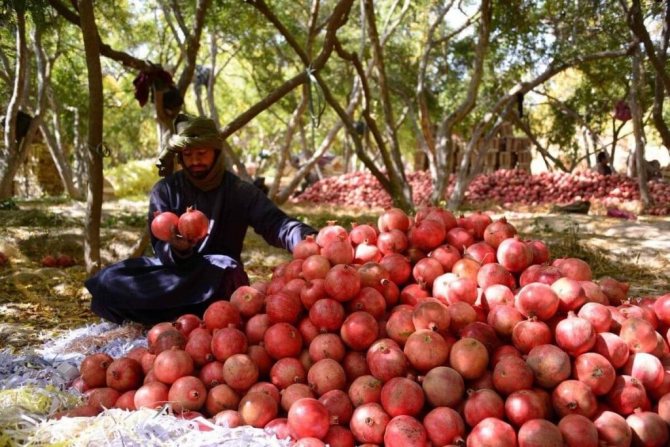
[(342, 282), (339, 251), (402, 396), (330, 233), (339, 406), (524, 405), (574, 397), (221, 314), (151, 395), (447, 255), (228, 341), (494, 273), (497, 231), (124, 374), (368, 423), (550, 364), (497, 294), (575, 335), (540, 432), (578, 431), (286, 371), (444, 426), (282, 340), (615, 291), (528, 334), (545, 274), (570, 293), (431, 315), (613, 430), (365, 389), (326, 375), (393, 241), (405, 431), (220, 398), (574, 268), (460, 238), (443, 387), (514, 255), (537, 300), (639, 334), (327, 346), (469, 357), (481, 252), (626, 395), (248, 301), (93, 369), (482, 404), (339, 436), (648, 428), (193, 224), (646, 368), (240, 372), (359, 330), (595, 371), (427, 234), (503, 318), (315, 267), (540, 251), (492, 432), (257, 409), (598, 315), (172, 364), (163, 224), (386, 360), (426, 349), (613, 348), (187, 393), (511, 374), (393, 219)]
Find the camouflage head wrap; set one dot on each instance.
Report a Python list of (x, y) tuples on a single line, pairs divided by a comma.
[(199, 132), (195, 132)]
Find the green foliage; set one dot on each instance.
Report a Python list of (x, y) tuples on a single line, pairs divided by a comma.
[(133, 180)]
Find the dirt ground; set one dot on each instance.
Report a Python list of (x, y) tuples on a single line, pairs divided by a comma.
[(36, 301)]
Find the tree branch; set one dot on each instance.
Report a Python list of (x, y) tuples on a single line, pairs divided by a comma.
[(338, 19), (192, 45), (124, 58)]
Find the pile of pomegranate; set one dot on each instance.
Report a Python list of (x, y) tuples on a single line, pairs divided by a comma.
[(57, 260), (424, 330), (504, 186)]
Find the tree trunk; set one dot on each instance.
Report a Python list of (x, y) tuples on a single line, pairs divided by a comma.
[(11, 157), (638, 128), (95, 121), (444, 146), (285, 149), (659, 91), (62, 166)]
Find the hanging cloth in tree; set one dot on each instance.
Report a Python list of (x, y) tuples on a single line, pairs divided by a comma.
[(143, 82)]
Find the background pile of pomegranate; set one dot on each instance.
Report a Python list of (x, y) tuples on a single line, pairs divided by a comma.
[(427, 330), (502, 186)]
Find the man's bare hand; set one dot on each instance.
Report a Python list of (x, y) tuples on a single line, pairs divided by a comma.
[(178, 242)]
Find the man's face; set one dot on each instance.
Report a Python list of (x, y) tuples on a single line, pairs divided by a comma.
[(198, 160)]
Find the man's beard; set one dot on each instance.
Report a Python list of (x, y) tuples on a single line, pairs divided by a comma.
[(199, 174)]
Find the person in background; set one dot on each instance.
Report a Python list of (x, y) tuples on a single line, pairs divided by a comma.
[(603, 164), (186, 277)]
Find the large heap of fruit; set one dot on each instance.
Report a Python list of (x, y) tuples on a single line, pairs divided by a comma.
[(502, 186), (416, 331)]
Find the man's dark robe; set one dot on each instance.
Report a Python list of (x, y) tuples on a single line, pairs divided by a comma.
[(149, 290)]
